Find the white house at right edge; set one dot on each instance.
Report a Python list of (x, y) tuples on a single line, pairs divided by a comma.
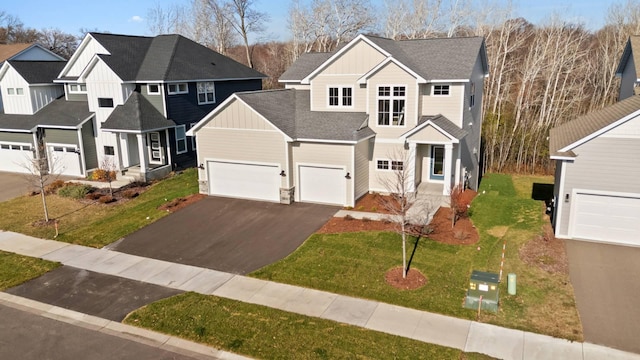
[(597, 187), (348, 119)]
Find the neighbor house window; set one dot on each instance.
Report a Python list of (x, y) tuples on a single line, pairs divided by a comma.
[(108, 150), (181, 139), (153, 89), (77, 88), (105, 102), (384, 164), (340, 96), (391, 102), (15, 91), (206, 93), (180, 88), (440, 90)]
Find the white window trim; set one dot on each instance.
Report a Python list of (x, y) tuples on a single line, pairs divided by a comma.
[(177, 85), (15, 91), (389, 164), (340, 96), (193, 138), (79, 91), (183, 138), (391, 97), (433, 90), (198, 93), (113, 103), (153, 92)]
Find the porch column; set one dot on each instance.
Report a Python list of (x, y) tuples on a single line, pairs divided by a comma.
[(448, 153), (118, 151), (458, 176), (411, 169), (142, 153)]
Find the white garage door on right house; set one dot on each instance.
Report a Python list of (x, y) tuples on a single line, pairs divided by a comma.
[(244, 180), (322, 184), (608, 217)]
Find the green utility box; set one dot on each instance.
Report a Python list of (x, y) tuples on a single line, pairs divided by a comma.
[(485, 285)]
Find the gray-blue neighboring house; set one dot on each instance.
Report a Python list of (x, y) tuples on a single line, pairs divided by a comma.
[(121, 100)]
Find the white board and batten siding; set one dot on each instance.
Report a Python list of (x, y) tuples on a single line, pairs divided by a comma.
[(320, 173), (81, 59), (16, 104)]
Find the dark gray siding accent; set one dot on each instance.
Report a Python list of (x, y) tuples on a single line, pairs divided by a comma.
[(605, 164), (16, 137), (89, 142), (155, 100), (60, 136), (76, 97)]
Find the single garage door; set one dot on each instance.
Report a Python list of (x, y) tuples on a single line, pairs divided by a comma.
[(15, 157), (325, 185), (65, 160), (248, 181), (607, 218)]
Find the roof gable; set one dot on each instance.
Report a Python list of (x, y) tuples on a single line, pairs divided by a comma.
[(632, 43), (441, 124)]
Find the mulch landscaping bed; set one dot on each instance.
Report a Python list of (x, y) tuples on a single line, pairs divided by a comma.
[(414, 279), (179, 203)]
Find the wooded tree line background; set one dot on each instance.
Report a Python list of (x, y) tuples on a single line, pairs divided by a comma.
[(541, 75)]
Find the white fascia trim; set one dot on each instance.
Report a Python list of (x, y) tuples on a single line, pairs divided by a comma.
[(19, 130), (206, 80), (4, 69), (600, 132), (389, 141), (289, 81), (449, 81), (77, 53), (136, 131), (563, 158), (327, 141), (206, 118), (307, 79), (85, 72), (411, 132), (363, 79)]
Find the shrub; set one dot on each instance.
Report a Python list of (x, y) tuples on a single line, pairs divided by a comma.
[(54, 186), (74, 191), (103, 175), (130, 194), (106, 199), (374, 209)]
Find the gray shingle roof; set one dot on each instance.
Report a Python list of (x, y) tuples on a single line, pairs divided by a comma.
[(432, 59), (138, 115), (38, 72), (305, 64), (59, 113), (583, 126), (443, 123), (168, 58), (289, 110)]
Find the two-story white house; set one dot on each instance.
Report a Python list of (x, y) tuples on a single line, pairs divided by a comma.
[(347, 120), (123, 102)]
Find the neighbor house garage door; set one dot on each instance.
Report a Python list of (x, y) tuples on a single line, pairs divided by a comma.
[(15, 157), (65, 160), (319, 184), (608, 218), (248, 181)]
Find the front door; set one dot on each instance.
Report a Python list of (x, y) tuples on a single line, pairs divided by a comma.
[(437, 163), (156, 155)]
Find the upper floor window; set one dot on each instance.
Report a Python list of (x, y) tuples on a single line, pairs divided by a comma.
[(105, 102), (472, 94), (153, 89), (15, 91), (341, 96), (391, 103), (180, 88), (77, 88), (206, 93), (440, 90)]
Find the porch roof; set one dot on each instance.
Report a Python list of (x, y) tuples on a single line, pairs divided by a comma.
[(440, 123), (136, 115), (59, 113)]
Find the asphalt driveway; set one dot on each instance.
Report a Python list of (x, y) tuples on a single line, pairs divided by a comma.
[(231, 235), (605, 281)]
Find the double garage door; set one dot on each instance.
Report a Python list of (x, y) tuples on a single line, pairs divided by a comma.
[(609, 218), (317, 184)]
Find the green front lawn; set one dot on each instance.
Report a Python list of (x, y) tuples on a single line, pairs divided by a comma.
[(95, 224), (16, 269), (267, 333), (355, 264)]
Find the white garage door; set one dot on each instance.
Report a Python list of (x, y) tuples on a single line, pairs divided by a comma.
[(249, 181), (606, 218), (65, 160), (15, 157), (324, 185)]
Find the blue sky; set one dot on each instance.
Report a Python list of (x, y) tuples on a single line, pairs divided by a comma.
[(128, 16)]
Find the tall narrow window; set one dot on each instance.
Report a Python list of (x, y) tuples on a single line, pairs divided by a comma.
[(193, 138), (334, 98), (347, 96), (391, 105), (472, 94), (181, 139), (206, 93)]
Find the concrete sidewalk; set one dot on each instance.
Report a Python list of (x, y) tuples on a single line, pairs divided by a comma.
[(465, 335)]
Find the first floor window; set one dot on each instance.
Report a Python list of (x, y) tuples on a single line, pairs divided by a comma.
[(397, 165), (105, 102), (206, 93), (108, 150), (383, 164), (391, 103), (181, 139)]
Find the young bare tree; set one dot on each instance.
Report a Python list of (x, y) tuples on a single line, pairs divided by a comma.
[(40, 172), (108, 172)]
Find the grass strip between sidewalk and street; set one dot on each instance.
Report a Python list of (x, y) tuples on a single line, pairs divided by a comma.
[(267, 333), (17, 269)]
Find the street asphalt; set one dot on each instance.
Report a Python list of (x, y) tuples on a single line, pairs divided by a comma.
[(605, 281), (231, 235)]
